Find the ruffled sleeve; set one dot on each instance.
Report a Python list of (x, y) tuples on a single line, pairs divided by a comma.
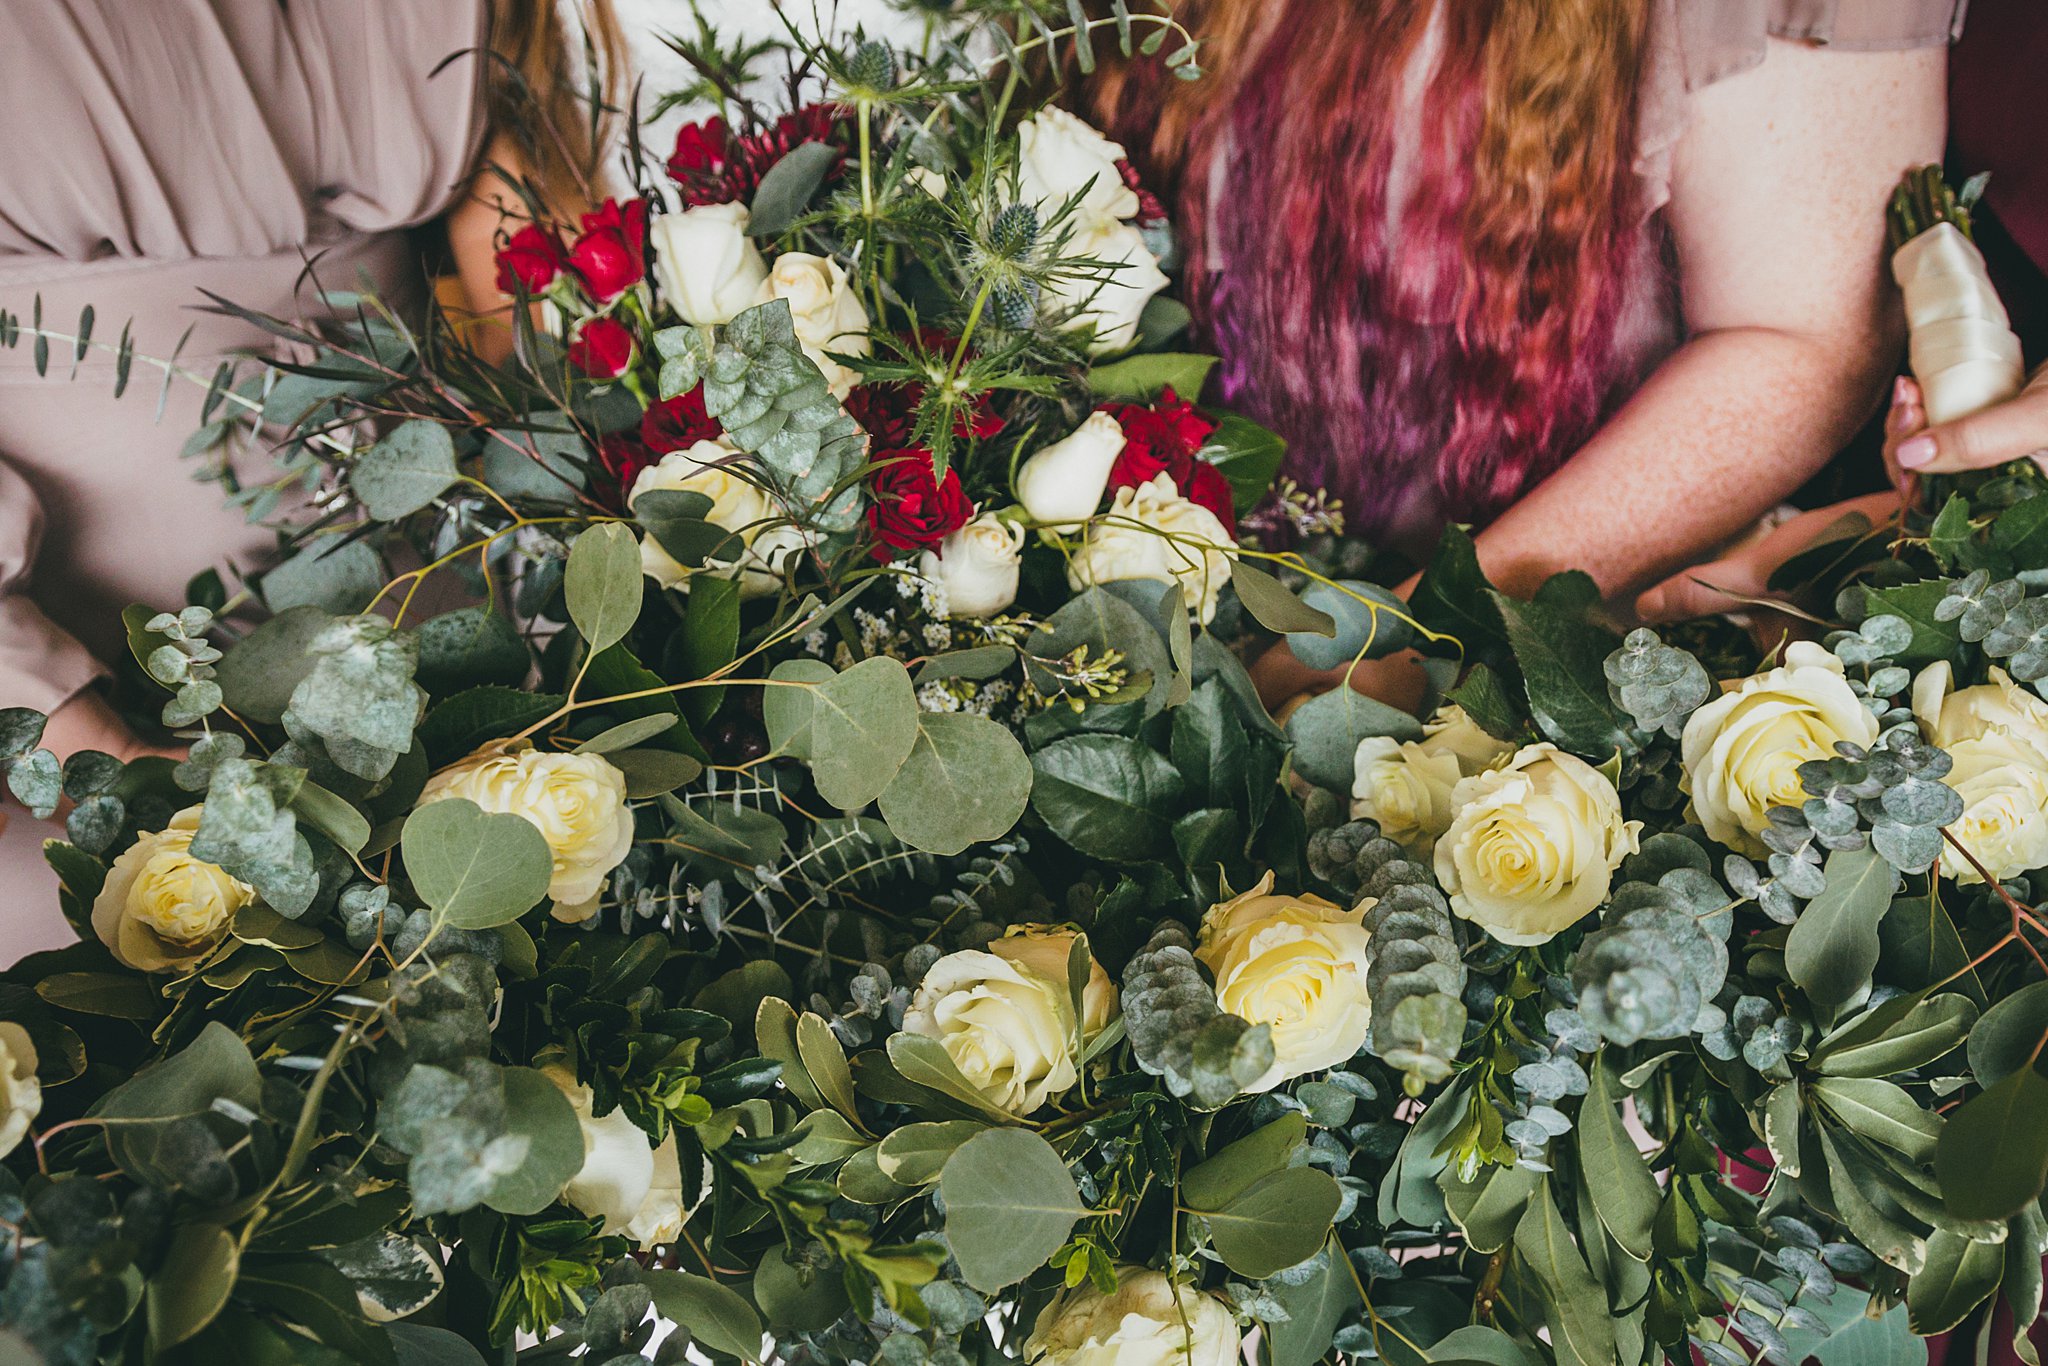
[(41, 665), (1693, 43)]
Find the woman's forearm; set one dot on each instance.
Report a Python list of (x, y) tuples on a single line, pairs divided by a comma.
[(1726, 428)]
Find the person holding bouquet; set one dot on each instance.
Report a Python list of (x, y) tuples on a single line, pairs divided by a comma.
[(1602, 278)]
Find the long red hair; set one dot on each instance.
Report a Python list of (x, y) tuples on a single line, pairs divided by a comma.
[(1449, 312)]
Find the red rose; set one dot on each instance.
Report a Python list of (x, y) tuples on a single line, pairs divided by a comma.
[(1207, 487), (623, 455), (531, 259), (698, 164), (1162, 438), (602, 348), (676, 424), (910, 508), (611, 255)]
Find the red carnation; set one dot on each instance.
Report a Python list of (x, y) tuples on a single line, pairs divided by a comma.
[(611, 255), (602, 348), (676, 424), (909, 507), (713, 166), (1162, 438), (531, 259)]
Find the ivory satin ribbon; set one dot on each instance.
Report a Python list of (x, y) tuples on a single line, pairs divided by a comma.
[(1962, 350)]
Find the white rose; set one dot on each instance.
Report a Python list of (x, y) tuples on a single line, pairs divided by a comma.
[(1997, 733), (768, 554), (1060, 156), (1146, 1321), (705, 266), (1044, 949), (1533, 845), (1109, 300), (1009, 1030), (1741, 752), (977, 566), (21, 1095), (737, 504), (1151, 532), (1405, 786), (576, 801), (162, 910), (826, 310), (924, 178), (1297, 964), (1062, 485), (634, 1186)]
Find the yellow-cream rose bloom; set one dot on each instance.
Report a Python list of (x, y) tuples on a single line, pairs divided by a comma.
[(1296, 964), (1147, 1320), (737, 504), (1151, 532), (628, 1181), (827, 312), (2005, 809), (2001, 708), (1741, 752), (1008, 1027), (21, 1094), (1045, 949), (1533, 845), (162, 910), (576, 801), (1404, 786)]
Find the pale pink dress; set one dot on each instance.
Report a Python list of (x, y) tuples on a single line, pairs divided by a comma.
[(155, 148)]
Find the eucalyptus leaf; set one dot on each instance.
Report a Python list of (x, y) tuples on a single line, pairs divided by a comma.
[(475, 869), (406, 471), (1010, 1204), (1833, 946), (966, 781), (602, 584)]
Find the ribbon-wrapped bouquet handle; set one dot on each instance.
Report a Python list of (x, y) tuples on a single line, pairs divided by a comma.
[(1962, 348)]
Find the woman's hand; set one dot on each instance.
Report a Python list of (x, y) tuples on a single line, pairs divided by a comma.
[(1740, 577), (2016, 429)]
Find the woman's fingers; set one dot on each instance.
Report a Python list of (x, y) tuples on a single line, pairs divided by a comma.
[(2013, 430), (1700, 591)]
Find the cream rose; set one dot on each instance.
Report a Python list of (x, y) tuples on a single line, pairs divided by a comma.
[(1110, 301), (705, 266), (1997, 734), (1405, 786), (977, 566), (1146, 1321), (826, 310), (1533, 845), (576, 801), (1044, 949), (1297, 964), (737, 504), (1062, 485), (1741, 752), (627, 1181), (1060, 156), (21, 1095), (1008, 1029), (1151, 532), (162, 910)]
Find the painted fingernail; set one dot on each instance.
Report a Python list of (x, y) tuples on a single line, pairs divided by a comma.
[(1917, 452)]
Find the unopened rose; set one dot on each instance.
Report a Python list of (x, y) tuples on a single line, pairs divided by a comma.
[(1997, 734), (1405, 786), (576, 801), (162, 910), (532, 259), (1741, 752), (706, 268), (602, 348), (1296, 964), (1045, 949), (977, 566), (635, 1187), (1146, 1321), (826, 310), (1062, 485), (1008, 1029), (1060, 156), (1533, 845), (21, 1094), (1109, 300), (611, 255), (737, 503), (1151, 532)]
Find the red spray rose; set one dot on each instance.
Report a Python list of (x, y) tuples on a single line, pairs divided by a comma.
[(611, 255), (602, 348), (676, 424), (1162, 438), (532, 258), (910, 508)]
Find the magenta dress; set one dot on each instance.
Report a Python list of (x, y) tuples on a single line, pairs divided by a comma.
[(155, 148)]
